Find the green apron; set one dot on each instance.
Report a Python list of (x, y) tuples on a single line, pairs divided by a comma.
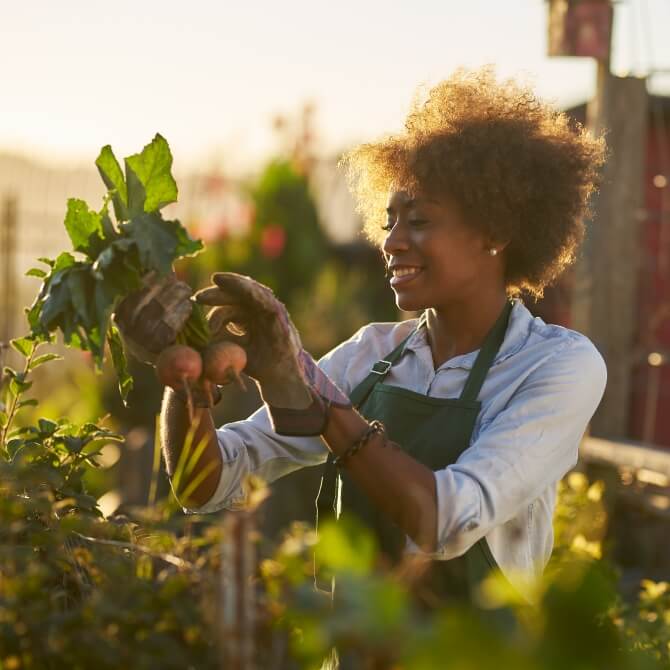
[(435, 432)]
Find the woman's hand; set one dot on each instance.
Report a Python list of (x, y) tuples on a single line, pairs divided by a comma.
[(296, 391), (150, 318)]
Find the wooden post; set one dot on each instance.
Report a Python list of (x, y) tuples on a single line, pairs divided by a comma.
[(8, 268), (606, 289), (237, 600), (606, 276)]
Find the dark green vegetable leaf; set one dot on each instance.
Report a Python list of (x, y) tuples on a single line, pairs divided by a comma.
[(64, 260), (118, 267), (80, 285), (120, 363), (56, 302), (104, 303), (152, 167), (156, 242), (84, 227), (186, 245), (137, 196), (108, 231), (112, 175), (72, 333)]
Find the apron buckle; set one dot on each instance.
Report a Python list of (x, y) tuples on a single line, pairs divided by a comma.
[(381, 367)]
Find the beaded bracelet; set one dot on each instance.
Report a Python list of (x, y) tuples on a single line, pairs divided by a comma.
[(373, 428)]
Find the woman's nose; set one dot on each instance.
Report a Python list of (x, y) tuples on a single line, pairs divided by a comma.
[(395, 240)]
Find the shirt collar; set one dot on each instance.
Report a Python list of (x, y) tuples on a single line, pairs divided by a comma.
[(517, 333)]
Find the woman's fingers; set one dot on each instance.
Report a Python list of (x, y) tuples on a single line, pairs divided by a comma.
[(245, 290), (229, 320), (213, 295), (219, 316)]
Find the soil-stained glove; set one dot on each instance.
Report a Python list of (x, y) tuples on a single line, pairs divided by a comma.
[(296, 391), (150, 319)]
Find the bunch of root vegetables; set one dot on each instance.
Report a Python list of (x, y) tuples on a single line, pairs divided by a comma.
[(117, 287), (183, 367)]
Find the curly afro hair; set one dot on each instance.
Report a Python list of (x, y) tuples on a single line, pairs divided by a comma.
[(521, 171)]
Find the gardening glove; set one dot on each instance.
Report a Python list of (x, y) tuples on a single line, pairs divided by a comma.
[(150, 318), (296, 391)]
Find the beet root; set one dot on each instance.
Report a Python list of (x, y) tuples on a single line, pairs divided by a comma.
[(223, 363), (179, 365)]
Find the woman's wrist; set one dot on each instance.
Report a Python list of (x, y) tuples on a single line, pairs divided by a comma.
[(344, 428)]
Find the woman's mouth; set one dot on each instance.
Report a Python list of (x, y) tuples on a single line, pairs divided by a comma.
[(404, 274)]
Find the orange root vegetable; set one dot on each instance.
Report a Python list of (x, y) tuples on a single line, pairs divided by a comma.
[(223, 363), (179, 365)]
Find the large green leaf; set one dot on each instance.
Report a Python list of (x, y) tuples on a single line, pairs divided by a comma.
[(108, 231), (104, 303), (112, 175), (84, 226), (156, 242), (80, 283), (186, 245), (56, 301), (120, 363), (95, 344), (50, 299), (118, 267), (64, 260), (137, 196), (151, 168)]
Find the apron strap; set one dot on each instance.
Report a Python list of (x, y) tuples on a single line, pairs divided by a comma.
[(380, 369), (327, 496), (486, 355), (476, 378), (377, 373)]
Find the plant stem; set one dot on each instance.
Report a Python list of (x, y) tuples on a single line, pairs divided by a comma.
[(12, 411)]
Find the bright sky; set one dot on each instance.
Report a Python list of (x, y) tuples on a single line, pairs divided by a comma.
[(210, 74)]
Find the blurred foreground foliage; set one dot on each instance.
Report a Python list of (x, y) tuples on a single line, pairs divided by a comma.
[(79, 590)]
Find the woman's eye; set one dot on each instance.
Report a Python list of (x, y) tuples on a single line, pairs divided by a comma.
[(411, 222)]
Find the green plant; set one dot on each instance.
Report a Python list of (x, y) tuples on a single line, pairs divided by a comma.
[(79, 294), (78, 590)]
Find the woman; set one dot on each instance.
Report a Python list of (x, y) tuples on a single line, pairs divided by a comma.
[(451, 430)]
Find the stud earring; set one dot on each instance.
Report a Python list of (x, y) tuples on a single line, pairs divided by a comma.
[(493, 252)]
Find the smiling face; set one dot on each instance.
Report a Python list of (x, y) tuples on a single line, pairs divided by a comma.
[(436, 258)]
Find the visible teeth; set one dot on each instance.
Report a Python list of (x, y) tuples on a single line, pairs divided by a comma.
[(401, 272)]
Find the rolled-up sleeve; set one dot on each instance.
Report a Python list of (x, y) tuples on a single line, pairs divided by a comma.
[(525, 448), (250, 447)]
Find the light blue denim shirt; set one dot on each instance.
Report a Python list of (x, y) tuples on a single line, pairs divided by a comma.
[(540, 393)]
